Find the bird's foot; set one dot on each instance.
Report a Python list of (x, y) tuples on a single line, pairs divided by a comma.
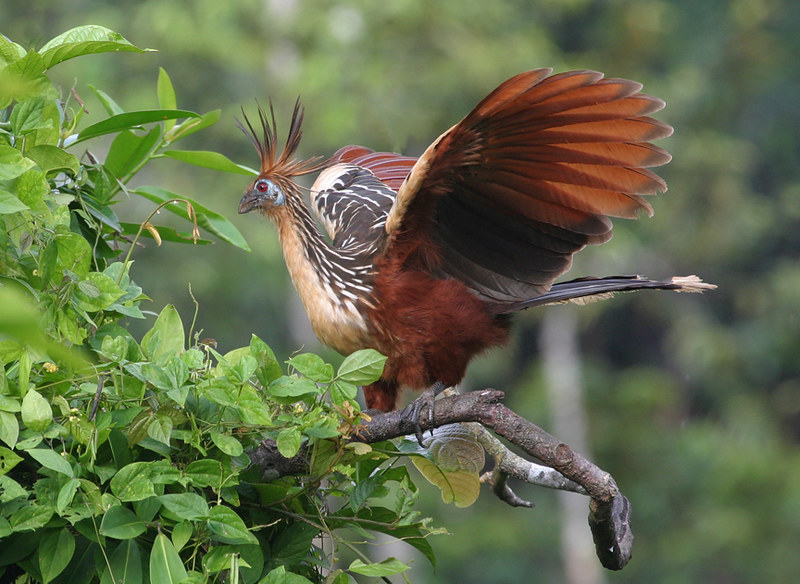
[(412, 412)]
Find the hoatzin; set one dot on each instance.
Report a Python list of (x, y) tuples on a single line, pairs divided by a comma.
[(426, 258)]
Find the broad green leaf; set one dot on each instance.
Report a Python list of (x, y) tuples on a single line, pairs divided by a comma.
[(362, 367), (342, 391), (132, 482), (129, 151), (181, 534), (186, 506), (8, 458), (36, 411), (166, 96), (10, 203), (96, 291), (55, 552), (121, 523), (166, 339), (10, 51), (291, 545), (228, 527), (51, 459), (205, 473), (292, 387), (313, 367), (166, 566), (125, 564), (268, 367), (66, 494), (280, 576), (52, 159), (209, 159), (12, 163), (30, 517), (84, 40), (209, 220), (29, 115), (9, 430), (228, 444), (11, 489), (385, 568), (67, 251), (288, 441), (129, 121)]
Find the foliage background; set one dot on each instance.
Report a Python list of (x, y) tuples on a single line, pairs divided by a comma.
[(694, 403)]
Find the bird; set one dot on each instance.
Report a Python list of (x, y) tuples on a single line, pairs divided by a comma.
[(425, 259)]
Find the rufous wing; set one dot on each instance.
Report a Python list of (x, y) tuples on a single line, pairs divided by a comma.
[(504, 198)]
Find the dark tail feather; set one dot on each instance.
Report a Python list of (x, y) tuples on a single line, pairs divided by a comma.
[(585, 290)]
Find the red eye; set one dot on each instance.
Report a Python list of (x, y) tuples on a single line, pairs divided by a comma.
[(262, 186)]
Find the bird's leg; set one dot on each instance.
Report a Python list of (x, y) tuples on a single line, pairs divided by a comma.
[(412, 411)]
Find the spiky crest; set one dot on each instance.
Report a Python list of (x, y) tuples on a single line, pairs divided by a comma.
[(281, 166)]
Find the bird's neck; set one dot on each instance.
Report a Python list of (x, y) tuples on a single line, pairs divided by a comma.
[(333, 285)]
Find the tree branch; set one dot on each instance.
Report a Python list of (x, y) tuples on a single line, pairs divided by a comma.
[(609, 517)]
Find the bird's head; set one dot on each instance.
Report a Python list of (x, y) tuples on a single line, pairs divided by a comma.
[(274, 187)]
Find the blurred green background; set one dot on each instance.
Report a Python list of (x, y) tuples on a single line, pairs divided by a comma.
[(691, 402)]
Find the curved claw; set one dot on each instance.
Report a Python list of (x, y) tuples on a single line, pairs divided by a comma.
[(412, 412)]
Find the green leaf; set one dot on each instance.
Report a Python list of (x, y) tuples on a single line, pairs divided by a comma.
[(189, 127), (209, 220), (132, 482), (12, 163), (9, 430), (8, 458), (228, 444), (96, 291), (36, 411), (52, 159), (10, 203), (84, 40), (29, 115), (55, 551), (342, 391), (181, 534), (129, 121), (112, 107), (164, 233), (288, 441), (362, 367), (51, 459), (205, 473), (186, 506), (292, 387), (166, 339), (125, 564), (313, 367), (66, 494), (280, 576), (30, 517), (67, 251), (121, 523), (268, 367), (10, 51), (385, 568), (209, 159), (166, 566), (128, 151), (166, 96), (228, 527)]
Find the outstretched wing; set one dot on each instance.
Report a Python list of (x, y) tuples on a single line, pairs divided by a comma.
[(352, 198), (504, 198)]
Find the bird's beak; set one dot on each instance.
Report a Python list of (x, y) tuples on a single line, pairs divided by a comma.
[(250, 201)]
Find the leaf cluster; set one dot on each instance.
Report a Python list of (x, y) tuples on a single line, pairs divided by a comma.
[(125, 460)]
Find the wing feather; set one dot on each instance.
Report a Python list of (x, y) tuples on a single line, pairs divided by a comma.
[(504, 198)]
